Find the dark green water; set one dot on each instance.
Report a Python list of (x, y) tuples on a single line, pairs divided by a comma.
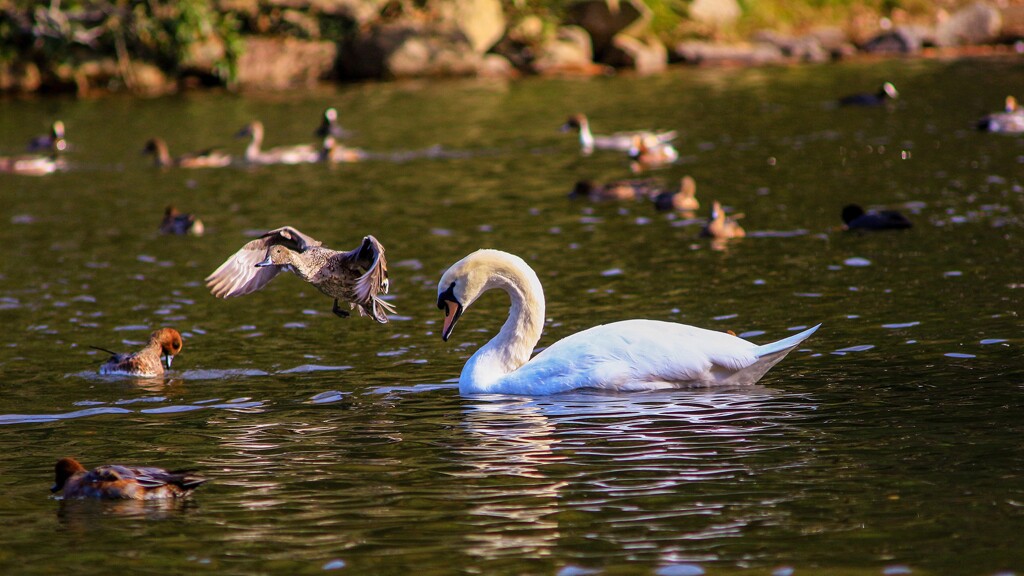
[(890, 444)]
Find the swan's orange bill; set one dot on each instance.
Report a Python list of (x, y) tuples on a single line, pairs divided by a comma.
[(451, 314)]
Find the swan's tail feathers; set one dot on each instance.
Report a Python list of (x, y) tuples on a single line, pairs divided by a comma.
[(786, 344), (768, 355)]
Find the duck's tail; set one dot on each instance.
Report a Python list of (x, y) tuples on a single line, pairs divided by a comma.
[(786, 344), (377, 309)]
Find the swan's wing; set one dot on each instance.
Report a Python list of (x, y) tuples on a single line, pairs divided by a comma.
[(238, 275), (634, 355), (370, 257)]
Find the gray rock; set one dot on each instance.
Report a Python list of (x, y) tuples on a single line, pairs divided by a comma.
[(899, 40), (694, 52), (803, 48), (569, 50), (496, 66), (1013, 23), (978, 23), (404, 50), (277, 64), (481, 21), (644, 56), (603, 19), (717, 13)]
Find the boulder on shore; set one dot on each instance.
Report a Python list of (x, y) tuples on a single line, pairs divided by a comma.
[(281, 63), (603, 19), (647, 56), (405, 50), (978, 23), (725, 54)]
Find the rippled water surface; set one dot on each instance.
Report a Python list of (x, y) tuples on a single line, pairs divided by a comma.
[(889, 444)]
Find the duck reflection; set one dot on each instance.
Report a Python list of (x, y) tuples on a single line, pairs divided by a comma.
[(84, 514)]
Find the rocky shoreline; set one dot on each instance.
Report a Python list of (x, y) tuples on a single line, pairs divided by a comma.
[(157, 48)]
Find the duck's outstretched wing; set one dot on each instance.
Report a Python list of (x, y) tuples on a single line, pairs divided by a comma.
[(370, 257), (238, 275)]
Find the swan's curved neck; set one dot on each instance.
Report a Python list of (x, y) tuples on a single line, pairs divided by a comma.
[(514, 343)]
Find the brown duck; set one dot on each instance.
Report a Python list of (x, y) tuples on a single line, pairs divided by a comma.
[(146, 363), (355, 277), (117, 482)]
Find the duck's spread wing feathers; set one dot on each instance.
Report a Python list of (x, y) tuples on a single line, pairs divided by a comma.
[(370, 256), (238, 275)]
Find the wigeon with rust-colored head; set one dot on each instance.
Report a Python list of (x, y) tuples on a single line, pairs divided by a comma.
[(117, 482), (146, 363)]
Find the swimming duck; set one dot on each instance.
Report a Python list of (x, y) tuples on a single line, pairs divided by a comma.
[(855, 218), (117, 482), (885, 93), (682, 200), (254, 154), (329, 125), (1010, 120), (648, 152), (163, 345), (721, 227), (630, 355), (617, 190), (355, 277), (209, 158), (176, 222), (52, 142), (621, 141), (31, 164), (333, 153)]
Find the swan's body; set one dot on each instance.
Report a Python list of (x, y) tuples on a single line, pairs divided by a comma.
[(631, 355)]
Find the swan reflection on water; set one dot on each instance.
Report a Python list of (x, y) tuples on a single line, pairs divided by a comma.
[(617, 456)]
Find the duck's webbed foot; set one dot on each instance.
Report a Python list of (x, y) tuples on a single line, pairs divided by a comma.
[(338, 311)]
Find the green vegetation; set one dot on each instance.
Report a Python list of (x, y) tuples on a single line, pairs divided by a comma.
[(177, 36)]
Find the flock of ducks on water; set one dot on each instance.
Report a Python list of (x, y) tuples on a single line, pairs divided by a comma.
[(624, 356)]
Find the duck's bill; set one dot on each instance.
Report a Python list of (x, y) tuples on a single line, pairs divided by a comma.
[(266, 262), (167, 360), (452, 312)]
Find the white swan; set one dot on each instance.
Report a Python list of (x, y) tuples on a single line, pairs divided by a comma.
[(630, 355)]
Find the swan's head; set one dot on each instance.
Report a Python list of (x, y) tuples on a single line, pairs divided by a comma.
[(470, 277)]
